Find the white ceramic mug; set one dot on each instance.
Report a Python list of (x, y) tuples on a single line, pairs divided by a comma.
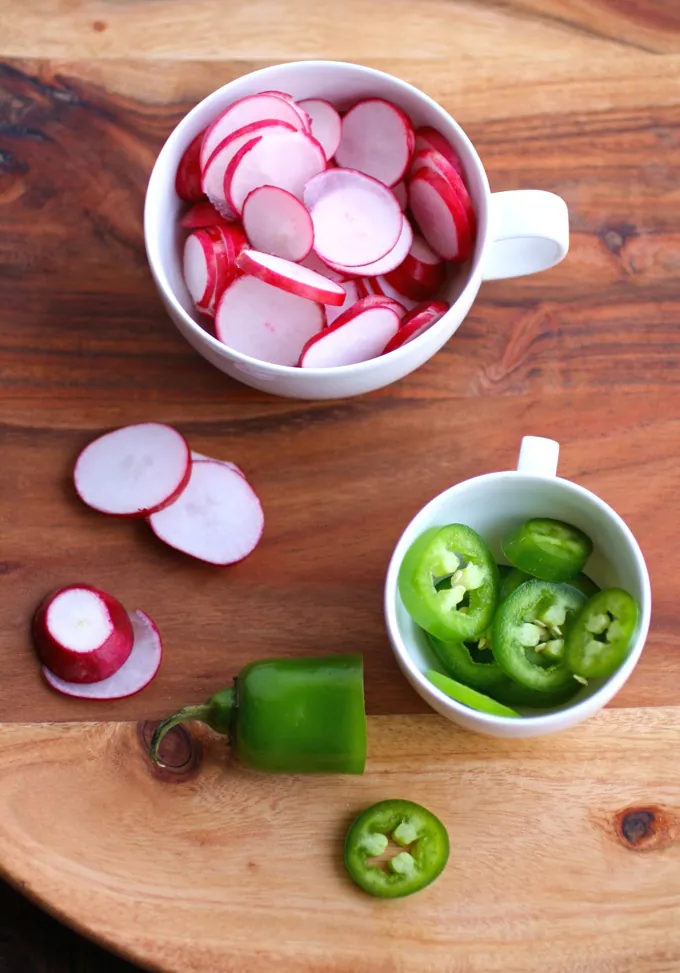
[(492, 505), (519, 232)]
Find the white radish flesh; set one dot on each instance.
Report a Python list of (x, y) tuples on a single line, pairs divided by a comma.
[(314, 262), (421, 274), (417, 322), (351, 297), (188, 178), (210, 263), (391, 260), (225, 462), (265, 322), (277, 222), (217, 519), (134, 675), (440, 215), (326, 124), (265, 107), (199, 269), (358, 335), (377, 139), (430, 138), (133, 471), (285, 159), (291, 277)]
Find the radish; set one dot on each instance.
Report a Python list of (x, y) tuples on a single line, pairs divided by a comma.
[(82, 634), (440, 215), (291, 277), (135, 673), (200, 215), (326, 124), (377, 139), (285, 159), (195, 457), (267, 107), (391, 260), (188, 178), (421, 274), (134, 470), (431, 159), (314, 262), (401, 192), (416, 323), (278, 223), (210, 263), (218, 518), (382, 287), (351, 297), (357, 335), (376, 299), (356, 219), (430, 138), (265, 322)]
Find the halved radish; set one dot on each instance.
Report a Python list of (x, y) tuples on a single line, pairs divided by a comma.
[(391, 260), (188, 178), (440, 215), (416, 323), (314, 262), (377, 139), (429, 138), (265, 322), (195, 457), (134, 470), (401, 192), (266, 107), (291, 277), (351, 297), (421, 274), (357, 335), (217, 519), (431, 159), (285, 159), (326, 123), (134, 675), (200, 215), (382, 287), (277, 222), (357, 219), (82, 634)]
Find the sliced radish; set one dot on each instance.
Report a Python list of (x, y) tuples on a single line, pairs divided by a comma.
[(421, 274), (188, 178), (265, 322), (391, 260), (326, 123), (82, 634), (134, 675), (200, 215), (357, 220), (377, 139), (285, 159), (314, 262), (371, 296), (440, 215), (291, 277), (277, 222), (351, 297), (134, 470), (416, 323), (431, 159), (430, 138), (382, 287), (401, 192), (266, 107), (217, 519), (210, 263), (195, 457), (357, 335)]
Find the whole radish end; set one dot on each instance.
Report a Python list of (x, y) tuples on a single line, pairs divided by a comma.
[(135, 673), (82, 635), (188, 178)]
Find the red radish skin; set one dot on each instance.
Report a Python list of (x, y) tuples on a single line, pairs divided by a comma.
[(265, 322), (134, 675), (377, 139), (277, 222), (401, 192), (326, 124), (358, 335), (422, 273), (417, 322), (440, 215), (291, 277), (210, 263), (133, 471), (430, 138), (382, 287), (188, 179), (82, 634), (267, 107), (200, 215), (376, 299), (391, 260), (357, 220), (314, 262), (351, 297), (431, 159), (218, 518)]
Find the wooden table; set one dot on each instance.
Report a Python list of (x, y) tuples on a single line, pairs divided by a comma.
[(579, 98)]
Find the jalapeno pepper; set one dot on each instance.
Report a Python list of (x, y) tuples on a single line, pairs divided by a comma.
[(529, 632), (415, 829), (514, 578), (471, 662), (449, 583), (289, 716), (468, 697), (548, 549), (602, 634)]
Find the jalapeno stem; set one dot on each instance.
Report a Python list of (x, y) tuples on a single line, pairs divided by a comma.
[(216, 713), (187, 713)]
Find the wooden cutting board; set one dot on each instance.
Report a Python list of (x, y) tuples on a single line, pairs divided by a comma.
[(581, 99)]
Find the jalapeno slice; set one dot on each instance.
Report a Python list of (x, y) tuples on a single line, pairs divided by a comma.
[(602, 634), (548, 549), (529, 631), (421, 835), (471, 662), (469, 697), (514, 578), (448, 582)]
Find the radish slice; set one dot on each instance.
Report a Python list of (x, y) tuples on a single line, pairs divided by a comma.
[(421, 274), (188, 178), (195, 457), (430, 138), (382, 286), (265, 322), (200, 215), (285, 159), (440, 215), (326, 124), (431, 159), (314, 262), (373, 297), (356, 219), (401, 192), (210, 263), (82, 634), (291, 277), (134, 470), (377, 139), (391, 260), (137, 672), (416, 323), (357, 335), (217, 519), (351, 297), (266, 107), (277, 222)]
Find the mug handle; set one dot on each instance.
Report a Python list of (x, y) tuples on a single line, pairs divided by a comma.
[(538, 456), (529, 232)]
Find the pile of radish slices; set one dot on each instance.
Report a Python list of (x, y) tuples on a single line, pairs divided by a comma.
[(318, 239)]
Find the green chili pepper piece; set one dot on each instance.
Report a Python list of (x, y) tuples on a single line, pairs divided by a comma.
[(548, 549), (469, 697), (602, 634)]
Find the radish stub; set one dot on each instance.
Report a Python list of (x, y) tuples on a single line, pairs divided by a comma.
[(269, 106), (356, 336), (377, 139), (291, 277), (326, 124), (277, 222), (285, 159)]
